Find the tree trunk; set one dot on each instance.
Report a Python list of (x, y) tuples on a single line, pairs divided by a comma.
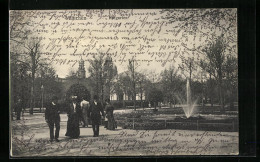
[(231, 100), (203, 105), (221, 96), (141, 97), (32, 98), (134, 97), (108, 90), (102, 88), (134, 85), (32, 88), (97, 85), (190, 69), (220, 89), (211, 90), (101, 82), (134, 101), (124, 98)]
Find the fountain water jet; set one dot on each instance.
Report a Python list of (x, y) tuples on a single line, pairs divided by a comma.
[(189, 108)]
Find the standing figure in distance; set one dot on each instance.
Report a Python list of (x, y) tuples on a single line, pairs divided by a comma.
[(18, 108), (85, 108), (52, 117), (111, 125), (74, 114), (94, 113)]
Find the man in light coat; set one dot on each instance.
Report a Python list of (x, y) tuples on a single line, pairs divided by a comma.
[(84, 104)]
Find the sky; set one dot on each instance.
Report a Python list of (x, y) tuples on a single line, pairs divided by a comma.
[(144, 35)]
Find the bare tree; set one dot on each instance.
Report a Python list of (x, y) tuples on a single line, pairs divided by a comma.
[(141, 82), (95, 69), (132, 70), (201, 25), (152, 76), (33, 57), (170, 80), (110, 71), (25, 49), (102, 71), (30, 60), (123, 84), (188, 65), (207, 68), (215, 59), (231, 78)]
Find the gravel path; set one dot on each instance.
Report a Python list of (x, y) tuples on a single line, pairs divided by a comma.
[(30, 137)]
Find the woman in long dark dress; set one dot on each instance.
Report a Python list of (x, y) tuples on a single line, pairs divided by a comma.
[(74, 113), (111, 125)]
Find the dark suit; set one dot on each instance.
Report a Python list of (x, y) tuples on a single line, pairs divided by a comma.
[(95, 117), (74, 115), (52, 116)]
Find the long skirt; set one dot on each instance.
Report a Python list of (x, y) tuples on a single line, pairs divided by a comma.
[(86, 118), (73, 126), (111, 125)]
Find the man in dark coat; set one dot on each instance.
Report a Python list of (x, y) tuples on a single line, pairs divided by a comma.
[(52, 117), (74, 114), (18, 108), (95, 112)]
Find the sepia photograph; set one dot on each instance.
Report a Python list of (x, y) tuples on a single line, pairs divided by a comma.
[(123, 82)]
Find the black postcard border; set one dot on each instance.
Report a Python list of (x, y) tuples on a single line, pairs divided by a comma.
[(248, 143)]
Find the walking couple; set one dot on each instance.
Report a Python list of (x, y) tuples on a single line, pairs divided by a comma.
[(94, 111), (52, 117)]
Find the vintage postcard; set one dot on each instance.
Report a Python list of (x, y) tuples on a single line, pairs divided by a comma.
[(123, 82)]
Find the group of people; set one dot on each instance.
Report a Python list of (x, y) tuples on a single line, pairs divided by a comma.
[(90, 113)]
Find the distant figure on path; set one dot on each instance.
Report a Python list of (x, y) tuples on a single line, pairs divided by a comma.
[(18, 108), (95, 112), (74, 113), (111, 125), (85, 108), (52, 117)]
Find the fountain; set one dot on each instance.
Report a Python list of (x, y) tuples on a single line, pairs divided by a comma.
[(189, 108), (185, 117)]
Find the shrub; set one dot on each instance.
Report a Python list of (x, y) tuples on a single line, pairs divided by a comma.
[(128, 104), (79, 90)]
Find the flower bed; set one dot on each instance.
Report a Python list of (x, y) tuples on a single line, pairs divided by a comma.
[(158, 125), (166, 119), (144, 125)]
